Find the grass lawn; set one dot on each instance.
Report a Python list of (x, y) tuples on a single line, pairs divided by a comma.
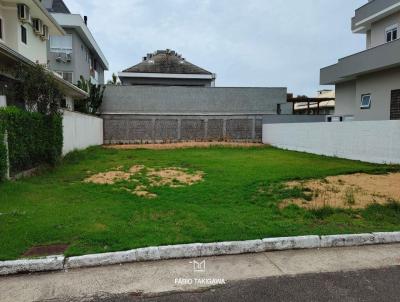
[(236, 201)]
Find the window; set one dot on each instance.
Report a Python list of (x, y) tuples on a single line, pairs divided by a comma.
[(391, 33), (23, 35), (66, 75), (61, 44), (365, 101), (1, 29)]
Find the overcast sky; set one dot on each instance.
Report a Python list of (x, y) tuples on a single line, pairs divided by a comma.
[(246, 43)]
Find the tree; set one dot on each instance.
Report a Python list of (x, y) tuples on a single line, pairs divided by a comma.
[(91, 104), (38, 89), (114, 80)]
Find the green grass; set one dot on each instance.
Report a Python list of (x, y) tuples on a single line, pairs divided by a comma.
[(236, 201)]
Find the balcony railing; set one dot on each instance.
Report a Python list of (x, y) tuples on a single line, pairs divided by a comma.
[(374, 59), (370, 9)]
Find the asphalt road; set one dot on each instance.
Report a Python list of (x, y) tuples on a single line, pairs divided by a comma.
[(366, 285)]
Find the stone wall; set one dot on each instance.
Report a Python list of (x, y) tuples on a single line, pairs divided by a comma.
[(128, 129)]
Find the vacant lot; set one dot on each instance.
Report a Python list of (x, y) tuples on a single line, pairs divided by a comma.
[(102, 200)]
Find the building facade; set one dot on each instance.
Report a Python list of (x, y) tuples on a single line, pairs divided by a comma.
[(368, 83), (166, 68), (77, 53), (25, 26), (320, 108)]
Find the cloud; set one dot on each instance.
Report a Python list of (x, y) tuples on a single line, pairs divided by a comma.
[(247, 43)]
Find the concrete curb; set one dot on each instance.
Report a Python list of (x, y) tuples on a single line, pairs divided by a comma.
[(196, 250), (54, 263)]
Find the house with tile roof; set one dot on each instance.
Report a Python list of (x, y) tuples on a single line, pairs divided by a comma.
[(166, 68)]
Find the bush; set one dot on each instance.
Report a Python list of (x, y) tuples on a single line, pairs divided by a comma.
[(33, 138), (38, 89)]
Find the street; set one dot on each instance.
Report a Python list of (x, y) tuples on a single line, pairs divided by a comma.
[(366, 285)]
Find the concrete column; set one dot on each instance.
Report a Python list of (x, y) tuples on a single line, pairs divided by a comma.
[(253, 132), (224, 129), (153, 131), (179, 129), (3, 101), (69, 103), (205, 128)]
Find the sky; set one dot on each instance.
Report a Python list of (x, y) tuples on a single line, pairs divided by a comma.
[(252, 43)]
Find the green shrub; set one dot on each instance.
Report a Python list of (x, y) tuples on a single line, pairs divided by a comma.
[(33, 138)]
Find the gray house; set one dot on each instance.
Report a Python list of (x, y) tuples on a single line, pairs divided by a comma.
[(368, 83), (166, 68), (77, 53)]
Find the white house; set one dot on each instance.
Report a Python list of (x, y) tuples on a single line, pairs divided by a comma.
[(25, 26), (368, 83)]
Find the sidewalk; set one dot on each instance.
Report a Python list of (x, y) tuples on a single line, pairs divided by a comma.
[(165, 276)]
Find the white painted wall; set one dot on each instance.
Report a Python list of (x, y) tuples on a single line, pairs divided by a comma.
[(379, 84), (81, 131), (378, 29), (370, 141)]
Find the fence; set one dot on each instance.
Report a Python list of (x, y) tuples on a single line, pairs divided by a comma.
[(81, 131), (370, 141), (135, 114)]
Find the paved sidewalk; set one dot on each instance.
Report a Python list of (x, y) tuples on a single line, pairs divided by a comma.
[(158, 277)]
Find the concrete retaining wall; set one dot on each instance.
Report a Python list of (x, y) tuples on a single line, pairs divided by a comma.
[(370, 141), (135, 114), (81, 131)]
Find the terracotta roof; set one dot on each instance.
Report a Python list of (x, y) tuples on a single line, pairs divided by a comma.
[(166, 61)]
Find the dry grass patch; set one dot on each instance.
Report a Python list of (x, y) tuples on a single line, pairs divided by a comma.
[(173, 177), (346, 191), (108, 178), (147, 178), (183, 145)]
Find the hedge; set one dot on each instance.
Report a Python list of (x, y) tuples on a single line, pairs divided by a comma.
[(33, 138)]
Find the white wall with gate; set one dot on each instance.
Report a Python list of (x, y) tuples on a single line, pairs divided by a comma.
[(370, 141), (81, 131)]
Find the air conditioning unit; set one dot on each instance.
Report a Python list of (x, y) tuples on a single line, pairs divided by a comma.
[(45, 34), (60, 58), (37, 26), (23, 13), (69, 57)]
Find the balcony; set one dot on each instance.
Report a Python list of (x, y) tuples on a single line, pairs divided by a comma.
[(374, 59), (371, 12)]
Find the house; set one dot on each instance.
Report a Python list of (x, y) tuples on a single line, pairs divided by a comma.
[(166, 68), (77, 53), (368, 83), (325, 107), (25, 26)]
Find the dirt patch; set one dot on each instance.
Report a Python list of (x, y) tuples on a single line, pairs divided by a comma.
[(46, 250), (173, 177), (108, 178), (183, 145), (147, 178), (347, 191), (136, 169)]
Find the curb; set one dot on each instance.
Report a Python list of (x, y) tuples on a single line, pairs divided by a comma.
[(195, 250)]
